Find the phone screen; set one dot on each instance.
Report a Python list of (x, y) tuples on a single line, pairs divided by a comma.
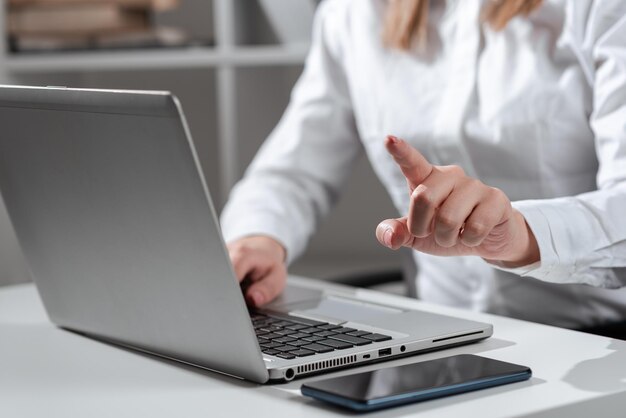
[(418, 378)]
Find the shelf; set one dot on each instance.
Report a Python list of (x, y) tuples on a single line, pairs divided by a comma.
[(155, 59), (251, 56)]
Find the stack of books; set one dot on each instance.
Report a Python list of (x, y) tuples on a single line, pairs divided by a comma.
[(45, 25)]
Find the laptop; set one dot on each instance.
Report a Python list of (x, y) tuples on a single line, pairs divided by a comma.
[(113, 214)]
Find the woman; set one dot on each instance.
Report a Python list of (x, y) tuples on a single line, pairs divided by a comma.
[(506, 101)]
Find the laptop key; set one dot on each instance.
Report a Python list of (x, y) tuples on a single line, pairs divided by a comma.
[(285, 332), (287, 356), (283, 340), (329, 327), (302, 352), (339, 345), (312, 338), (377, 337), (283, 324), (344, 330), (358, 333), (296, 319), (285, 348), (271, 336), (271, 328), (325, 333), (318, 348), (271, 344), (270, 351), (310, 330), (299, 335), (351, 339), (297, 327), (299, 343)]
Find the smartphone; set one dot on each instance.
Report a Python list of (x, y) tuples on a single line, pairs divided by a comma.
[(415, 382)]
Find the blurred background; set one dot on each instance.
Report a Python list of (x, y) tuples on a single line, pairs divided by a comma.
[(232, 63)]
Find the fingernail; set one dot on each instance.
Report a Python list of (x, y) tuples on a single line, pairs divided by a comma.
[(392, 139), (387, 237), (257, 298)]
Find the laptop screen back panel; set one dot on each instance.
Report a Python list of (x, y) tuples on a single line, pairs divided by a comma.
[(112, 213)]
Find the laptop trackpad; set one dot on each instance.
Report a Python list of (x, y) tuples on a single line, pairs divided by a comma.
[(335, 307)]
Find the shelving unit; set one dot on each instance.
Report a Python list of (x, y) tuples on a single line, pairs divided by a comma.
[(233, 91)]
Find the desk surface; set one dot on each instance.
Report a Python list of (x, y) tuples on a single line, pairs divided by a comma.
[(46, 371)]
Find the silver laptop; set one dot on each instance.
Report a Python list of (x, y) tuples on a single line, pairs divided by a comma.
[(113, 214)]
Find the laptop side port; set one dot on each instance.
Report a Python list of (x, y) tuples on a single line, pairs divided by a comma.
[(384, 352)]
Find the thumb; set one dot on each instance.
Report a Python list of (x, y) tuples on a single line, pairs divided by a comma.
[(394, 233)]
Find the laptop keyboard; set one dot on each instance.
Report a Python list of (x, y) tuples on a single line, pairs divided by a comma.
[(288, 337)]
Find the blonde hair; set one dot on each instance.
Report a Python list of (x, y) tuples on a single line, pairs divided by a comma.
[(407, 20)]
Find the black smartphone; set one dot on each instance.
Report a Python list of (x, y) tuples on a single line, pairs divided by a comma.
[(415, 382)]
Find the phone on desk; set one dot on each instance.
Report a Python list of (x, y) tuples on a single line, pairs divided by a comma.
[(415, 382)]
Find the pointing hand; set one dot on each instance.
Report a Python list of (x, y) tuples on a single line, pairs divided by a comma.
[(451, 214)]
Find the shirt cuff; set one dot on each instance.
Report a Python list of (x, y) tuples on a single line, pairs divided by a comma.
[(548, 231), (267, 226)]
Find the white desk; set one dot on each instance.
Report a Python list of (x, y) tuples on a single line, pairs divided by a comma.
[(48, 372)]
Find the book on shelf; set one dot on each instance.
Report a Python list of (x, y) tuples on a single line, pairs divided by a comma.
[(149, 38), (155, 5), (53, 25), (75, 20)]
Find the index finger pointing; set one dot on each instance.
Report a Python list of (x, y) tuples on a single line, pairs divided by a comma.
[(413, 164)]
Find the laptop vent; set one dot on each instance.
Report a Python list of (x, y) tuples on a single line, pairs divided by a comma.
[(321, 365)]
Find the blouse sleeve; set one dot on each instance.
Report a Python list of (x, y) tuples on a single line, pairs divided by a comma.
[(297, 174), (582, 239)]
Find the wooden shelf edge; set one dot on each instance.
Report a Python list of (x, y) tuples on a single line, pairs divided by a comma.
[(155, 59)]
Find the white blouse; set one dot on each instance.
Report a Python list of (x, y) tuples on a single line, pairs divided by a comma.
[(537, 110)]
